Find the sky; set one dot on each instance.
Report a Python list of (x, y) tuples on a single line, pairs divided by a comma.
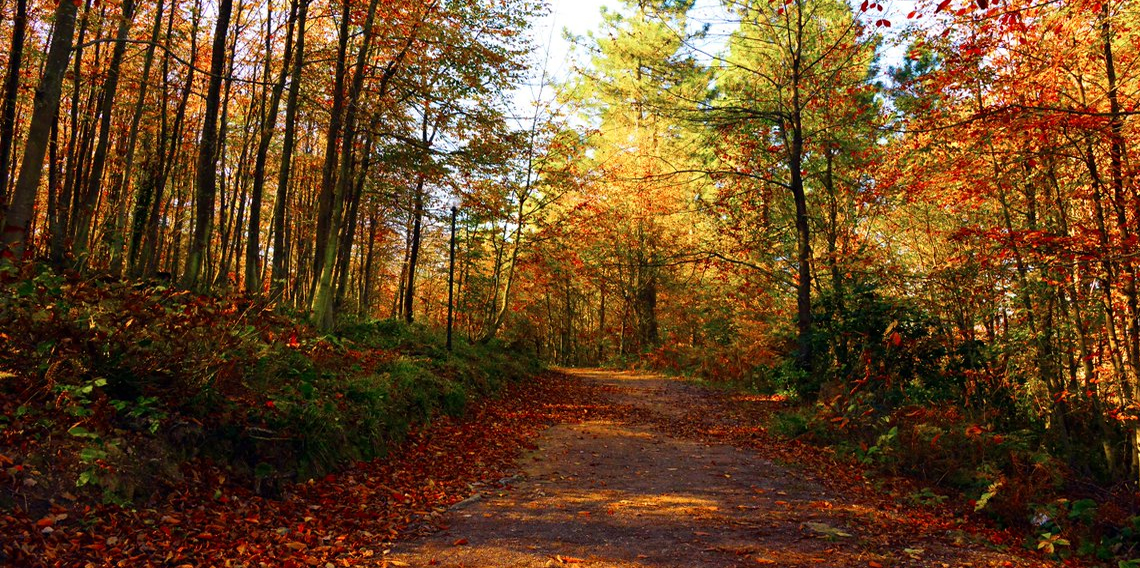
[(581, 16), (574, 16)]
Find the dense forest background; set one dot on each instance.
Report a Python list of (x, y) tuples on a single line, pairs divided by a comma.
[(928, 222)]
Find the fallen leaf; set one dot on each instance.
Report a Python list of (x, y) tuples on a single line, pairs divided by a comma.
[(826, 529)]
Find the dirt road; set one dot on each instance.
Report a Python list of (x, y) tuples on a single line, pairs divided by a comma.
[(666, 474)]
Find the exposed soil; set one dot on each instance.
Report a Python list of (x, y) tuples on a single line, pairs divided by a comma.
[(666, 473)]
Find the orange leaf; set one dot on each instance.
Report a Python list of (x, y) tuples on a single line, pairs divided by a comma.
[(459, 542)]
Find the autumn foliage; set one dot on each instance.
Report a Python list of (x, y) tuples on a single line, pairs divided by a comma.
[(922, 227)]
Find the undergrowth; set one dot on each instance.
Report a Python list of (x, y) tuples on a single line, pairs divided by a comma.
[(885, 391), (111, 388)]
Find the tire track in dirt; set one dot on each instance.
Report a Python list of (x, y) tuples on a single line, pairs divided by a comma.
[(639, 485)]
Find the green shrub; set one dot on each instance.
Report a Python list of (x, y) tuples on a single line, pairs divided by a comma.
[(130, 366), (792, 423)]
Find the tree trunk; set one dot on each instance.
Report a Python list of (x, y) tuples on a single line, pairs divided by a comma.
[(414, 250), (216, 260), (123, 183), (322, 311), (86, 214), (46, 104), (804, 353), (280, 254), (144, 227), (1117, 149), (268, 128), (207, 174), (365, 307), (11, 97), (329, 170), (349, 236), (398, 297), (61, 223)]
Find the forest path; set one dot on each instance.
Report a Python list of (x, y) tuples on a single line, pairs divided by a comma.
[(667, 473)]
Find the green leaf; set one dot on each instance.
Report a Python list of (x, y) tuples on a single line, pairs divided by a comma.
[(306, 390), (81, 432), (26, 288), (262, 470), (90, 454), (1083, 509), (989, 494)]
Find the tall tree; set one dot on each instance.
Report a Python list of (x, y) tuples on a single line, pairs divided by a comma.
[(207, 173), (322, 309), (280, 253), (268, 128), (784, 61), (11, 95), (85, 216), (639, 94), (122, 186), (19, 214)]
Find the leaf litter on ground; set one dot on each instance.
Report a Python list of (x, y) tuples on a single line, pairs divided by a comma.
[(338, 520)]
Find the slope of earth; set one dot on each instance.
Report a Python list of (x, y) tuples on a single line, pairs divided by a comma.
[(340, 520), (665, 473)]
